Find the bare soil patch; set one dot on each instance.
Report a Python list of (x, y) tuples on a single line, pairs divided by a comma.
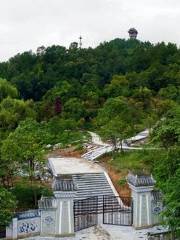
[(116, 176), (67, 152)]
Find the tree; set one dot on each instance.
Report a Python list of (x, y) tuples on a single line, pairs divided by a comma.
[(24, 148), (74, 109), (53, 101), (7, 90), (117, 130), (143, 95), (167, 173), (117, 120), (7, 207), (172, 203), (12, 111), (167, 131), (119, 86), (57, 128), (167, 170), (8, 168), (170, 92)]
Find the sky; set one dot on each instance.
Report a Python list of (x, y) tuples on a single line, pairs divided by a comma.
[(27, 24)]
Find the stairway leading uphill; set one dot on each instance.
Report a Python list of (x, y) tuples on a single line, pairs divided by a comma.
[(92, 184)]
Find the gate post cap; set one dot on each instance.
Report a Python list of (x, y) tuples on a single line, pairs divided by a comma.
[(64, 184), (140, 180)]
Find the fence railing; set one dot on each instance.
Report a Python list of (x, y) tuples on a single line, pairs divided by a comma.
[(28, 214)]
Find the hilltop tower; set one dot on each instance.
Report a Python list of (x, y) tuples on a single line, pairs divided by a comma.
[(133, 33)]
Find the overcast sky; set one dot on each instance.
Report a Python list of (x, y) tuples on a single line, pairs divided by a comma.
[(27, 24)]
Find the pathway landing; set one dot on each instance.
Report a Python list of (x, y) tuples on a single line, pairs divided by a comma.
[(105, 232)]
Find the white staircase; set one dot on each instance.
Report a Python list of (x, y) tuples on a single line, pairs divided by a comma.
[(95, 153), (93, 184), (103, 148)]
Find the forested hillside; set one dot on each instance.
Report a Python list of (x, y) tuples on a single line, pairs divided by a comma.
[(118, 88), (88, 77)]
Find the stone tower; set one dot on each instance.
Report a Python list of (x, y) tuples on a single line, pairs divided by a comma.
[(133, 33)]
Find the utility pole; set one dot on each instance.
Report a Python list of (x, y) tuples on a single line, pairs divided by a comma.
[(80, 42)]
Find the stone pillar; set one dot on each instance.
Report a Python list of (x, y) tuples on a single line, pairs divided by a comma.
[(11, 230), (64, 214), (64, 192), (141, 187)]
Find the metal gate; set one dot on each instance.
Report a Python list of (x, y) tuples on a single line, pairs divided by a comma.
[(117, 211), (2, 233), (85, 213)]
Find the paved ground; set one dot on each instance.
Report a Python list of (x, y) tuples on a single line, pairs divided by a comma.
[(104, 232), (103, 148), (69, 165), (93, 233)]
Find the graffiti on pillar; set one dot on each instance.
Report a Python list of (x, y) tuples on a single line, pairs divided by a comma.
[(28, 227), (157, 207), (49, 220)]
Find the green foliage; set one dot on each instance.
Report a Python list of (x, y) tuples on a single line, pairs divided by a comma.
[(117, 120), (167, 171), (74, 108), (7, 206), (172, 202), (136, 161), (23, 149), (63, 91), (130, 65), (60, 130), (119, 86), (171, 92), (122, 182), (26, 194), (167, 131), (7, 90), (83, 80), (12, 111)]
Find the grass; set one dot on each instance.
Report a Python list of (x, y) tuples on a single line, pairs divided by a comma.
[(67, 138), (139, 161)]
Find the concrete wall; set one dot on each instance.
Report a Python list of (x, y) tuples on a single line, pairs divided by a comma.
[(28, 227), (23, 228), (48, 222), (55, 220), (156, 212)]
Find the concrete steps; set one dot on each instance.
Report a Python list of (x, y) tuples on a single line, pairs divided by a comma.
[(92, 184), (93, 154), (103, 148)]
